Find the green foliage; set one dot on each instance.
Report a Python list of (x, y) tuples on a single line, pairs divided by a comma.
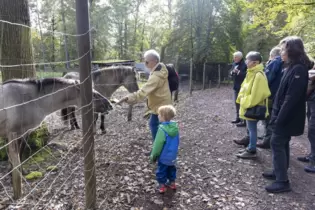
[(36, 140), (52, 168), (34, 175)]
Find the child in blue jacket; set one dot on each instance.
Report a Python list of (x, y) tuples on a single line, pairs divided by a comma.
[(165, 148)]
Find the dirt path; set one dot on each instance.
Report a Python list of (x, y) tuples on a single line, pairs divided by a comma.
[(209, 174)]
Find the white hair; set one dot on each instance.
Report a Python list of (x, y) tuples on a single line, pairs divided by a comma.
[(238, 54), (152, 53), (276, 51)]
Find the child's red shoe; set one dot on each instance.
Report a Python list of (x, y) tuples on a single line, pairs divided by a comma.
[(162, 188), (172, 185)]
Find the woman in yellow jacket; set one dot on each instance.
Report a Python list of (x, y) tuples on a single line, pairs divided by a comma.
[(254, 91)]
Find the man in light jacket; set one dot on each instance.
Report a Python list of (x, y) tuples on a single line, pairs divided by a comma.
[(156, 89)]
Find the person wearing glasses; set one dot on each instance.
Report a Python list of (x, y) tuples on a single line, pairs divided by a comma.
[(156, 89)]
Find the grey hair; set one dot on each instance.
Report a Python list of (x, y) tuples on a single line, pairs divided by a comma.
[(254, 56), (238, 54), (152, 53), (276, 51)]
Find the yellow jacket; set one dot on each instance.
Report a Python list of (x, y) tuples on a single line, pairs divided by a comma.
[(254, 90), (156, 89)]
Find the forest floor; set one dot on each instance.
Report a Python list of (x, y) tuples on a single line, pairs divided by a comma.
[(209, 174)]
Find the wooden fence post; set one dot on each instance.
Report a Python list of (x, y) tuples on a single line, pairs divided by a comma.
[(204, 76), (219, 73), (82, 22), (14, 157), (191, 77)]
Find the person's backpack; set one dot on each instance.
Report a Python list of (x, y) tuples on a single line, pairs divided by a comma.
[(173, 78)]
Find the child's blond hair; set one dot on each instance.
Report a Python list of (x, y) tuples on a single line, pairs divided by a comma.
[(168, 112)]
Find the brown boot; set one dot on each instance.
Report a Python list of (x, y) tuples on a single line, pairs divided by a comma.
[(264, 145), (243, 142)]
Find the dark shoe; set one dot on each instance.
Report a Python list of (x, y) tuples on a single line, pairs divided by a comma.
[(236, 121), (310, 168), (247, 154), (305, 159), (263, 145), (243, 142), (241, 124), (279, 187), (269, 175)]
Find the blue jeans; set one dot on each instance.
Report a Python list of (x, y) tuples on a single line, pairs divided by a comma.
[(154, 125), (165, 172), (252, 129)]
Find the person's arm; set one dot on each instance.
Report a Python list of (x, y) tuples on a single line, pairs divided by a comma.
[(157, 145), (295, 91), (257, 94), (147, 88)]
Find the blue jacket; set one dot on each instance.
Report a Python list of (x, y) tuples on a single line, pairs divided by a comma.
[(273, 72)]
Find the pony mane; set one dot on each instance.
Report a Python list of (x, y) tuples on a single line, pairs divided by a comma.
[(114, 69)]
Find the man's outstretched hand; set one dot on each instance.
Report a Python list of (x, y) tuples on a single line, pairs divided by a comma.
[(124, 99)]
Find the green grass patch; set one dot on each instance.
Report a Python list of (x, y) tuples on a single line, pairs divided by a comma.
[(34, 175)]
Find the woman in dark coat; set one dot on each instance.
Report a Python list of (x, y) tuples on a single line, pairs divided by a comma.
[(288, 116)]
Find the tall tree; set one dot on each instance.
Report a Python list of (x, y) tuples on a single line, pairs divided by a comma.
[(16, 45)]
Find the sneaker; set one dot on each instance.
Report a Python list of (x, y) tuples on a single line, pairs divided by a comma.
[(310, 168), (162, 188), (243, 142), (236, 121), (171, 185), (304, 159), (279, 187), (247, 154), (269, 175)]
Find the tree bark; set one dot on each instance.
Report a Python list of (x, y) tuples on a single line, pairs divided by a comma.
[(15, 41)]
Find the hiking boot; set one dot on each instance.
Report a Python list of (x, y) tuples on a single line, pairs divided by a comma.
[(263, 145), (241, 124), (171, 185), (247, 154), (162, 188), (236, 121), (279, 187), (304, 159), (269, 175), (243, 142), (310, 168)]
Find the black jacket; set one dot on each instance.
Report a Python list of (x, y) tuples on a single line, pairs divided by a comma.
[(238, 79), (288, 113)]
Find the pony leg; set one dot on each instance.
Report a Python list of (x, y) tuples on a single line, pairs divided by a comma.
[(64, 116), (129, 116), (76, 125), (94, 122), (102, 127), (14, 158), (73, 119)]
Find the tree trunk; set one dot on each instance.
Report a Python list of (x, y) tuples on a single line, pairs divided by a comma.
[(67, 65), (15, 41)]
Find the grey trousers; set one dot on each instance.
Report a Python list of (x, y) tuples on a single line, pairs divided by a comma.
[(237, 106)]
